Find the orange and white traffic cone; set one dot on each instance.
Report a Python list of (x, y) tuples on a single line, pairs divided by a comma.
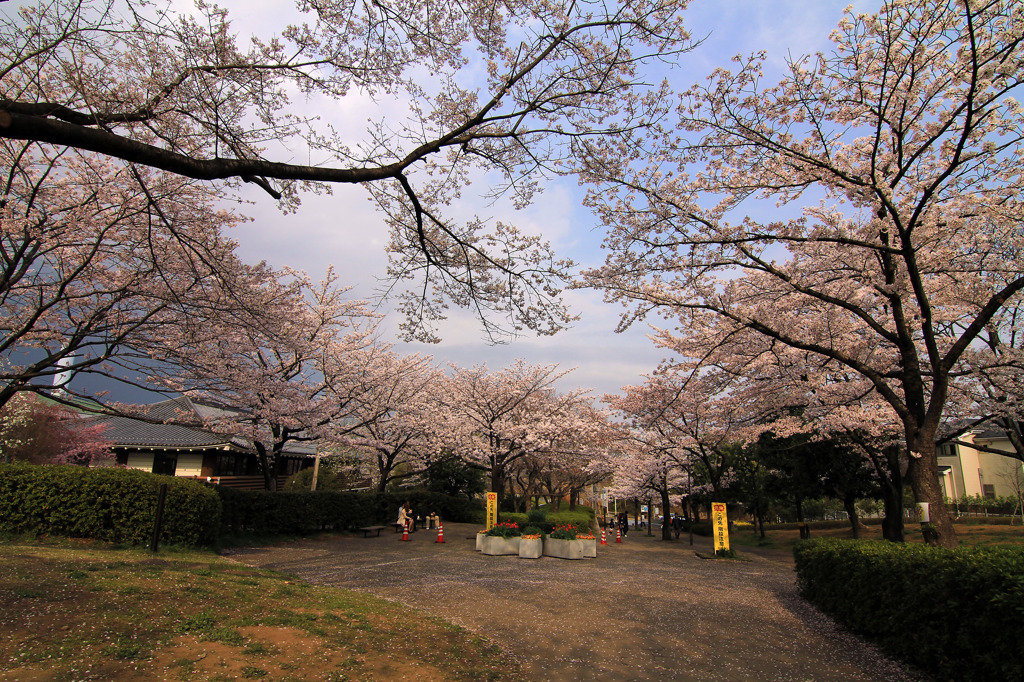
[(618, 537), (440, 532), (405, 532), (604, 537)]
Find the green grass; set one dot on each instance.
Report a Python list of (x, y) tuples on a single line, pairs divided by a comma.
[(75, 610), (970, 534)]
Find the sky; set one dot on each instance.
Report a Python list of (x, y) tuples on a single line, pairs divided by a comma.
[(344, 229)]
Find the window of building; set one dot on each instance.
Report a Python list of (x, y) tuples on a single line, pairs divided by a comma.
[(234, 464), (988, 490)]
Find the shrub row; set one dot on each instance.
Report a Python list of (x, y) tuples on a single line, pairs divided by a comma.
[(260, 512), (954, 613), (114, 505), (118, 505)]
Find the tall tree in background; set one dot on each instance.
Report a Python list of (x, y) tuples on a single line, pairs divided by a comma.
[(505, 89), (493, 419), (43, 432), (393, 417), (907, 142)]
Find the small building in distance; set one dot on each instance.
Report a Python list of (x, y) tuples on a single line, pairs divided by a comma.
[(968, 471), (174, 449)]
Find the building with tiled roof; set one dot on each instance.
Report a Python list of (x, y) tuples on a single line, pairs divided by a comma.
[(176, 449)]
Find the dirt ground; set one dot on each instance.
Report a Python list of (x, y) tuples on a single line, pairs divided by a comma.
[(642, 610)]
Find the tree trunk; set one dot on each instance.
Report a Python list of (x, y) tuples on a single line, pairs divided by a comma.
[(923, 474), (265, 466), (890, 473), (850, 504), (666, 527)]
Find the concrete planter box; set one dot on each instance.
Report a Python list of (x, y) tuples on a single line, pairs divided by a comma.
[(496, 546), (563, 549), (589, 547), (480, 539), (531, 548)]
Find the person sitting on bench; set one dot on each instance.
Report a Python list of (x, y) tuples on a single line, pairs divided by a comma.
[(405, 517)]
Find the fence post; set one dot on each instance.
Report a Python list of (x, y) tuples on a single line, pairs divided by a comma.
[(159, 517)]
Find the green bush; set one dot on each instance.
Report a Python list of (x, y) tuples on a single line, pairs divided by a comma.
[(326, 479), (118, 505), (113, 505), (537, 516), (259, 512), (578, 519), (953, 613)]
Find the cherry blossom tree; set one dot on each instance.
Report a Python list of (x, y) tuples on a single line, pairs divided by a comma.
[(569, 459), (493, 419), (394, 417), (502, 89), (689, 416), (904, 143), (43, 432), (295, 361), (96, 257)]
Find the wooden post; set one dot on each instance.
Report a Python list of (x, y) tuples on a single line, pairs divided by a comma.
[(316, 470), (158, 521)]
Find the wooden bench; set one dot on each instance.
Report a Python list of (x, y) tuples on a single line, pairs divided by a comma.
[(366, 530)]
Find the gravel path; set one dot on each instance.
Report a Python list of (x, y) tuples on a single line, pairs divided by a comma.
[(643, 610)]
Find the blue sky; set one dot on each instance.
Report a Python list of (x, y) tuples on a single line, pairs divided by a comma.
[(344, 229)]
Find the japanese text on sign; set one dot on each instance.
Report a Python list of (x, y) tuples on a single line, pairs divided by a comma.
[(492, 510), (721, 522)]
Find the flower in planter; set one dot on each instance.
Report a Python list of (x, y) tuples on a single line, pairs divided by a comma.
[(564, 531), (506, 529), (531, 536), (584, 537)]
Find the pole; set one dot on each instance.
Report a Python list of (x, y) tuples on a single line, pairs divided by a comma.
[(158, 521), (316, 470)]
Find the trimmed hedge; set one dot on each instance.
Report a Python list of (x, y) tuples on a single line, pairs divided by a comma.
[(113, 505), (955, 613), (453, 509), (118, 505), (260, 512)]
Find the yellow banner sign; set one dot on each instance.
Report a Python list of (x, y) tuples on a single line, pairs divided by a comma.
[(492, 510), (721, 522)]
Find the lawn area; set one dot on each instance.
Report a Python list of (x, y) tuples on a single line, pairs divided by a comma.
[(969, 533), (83, 611)]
